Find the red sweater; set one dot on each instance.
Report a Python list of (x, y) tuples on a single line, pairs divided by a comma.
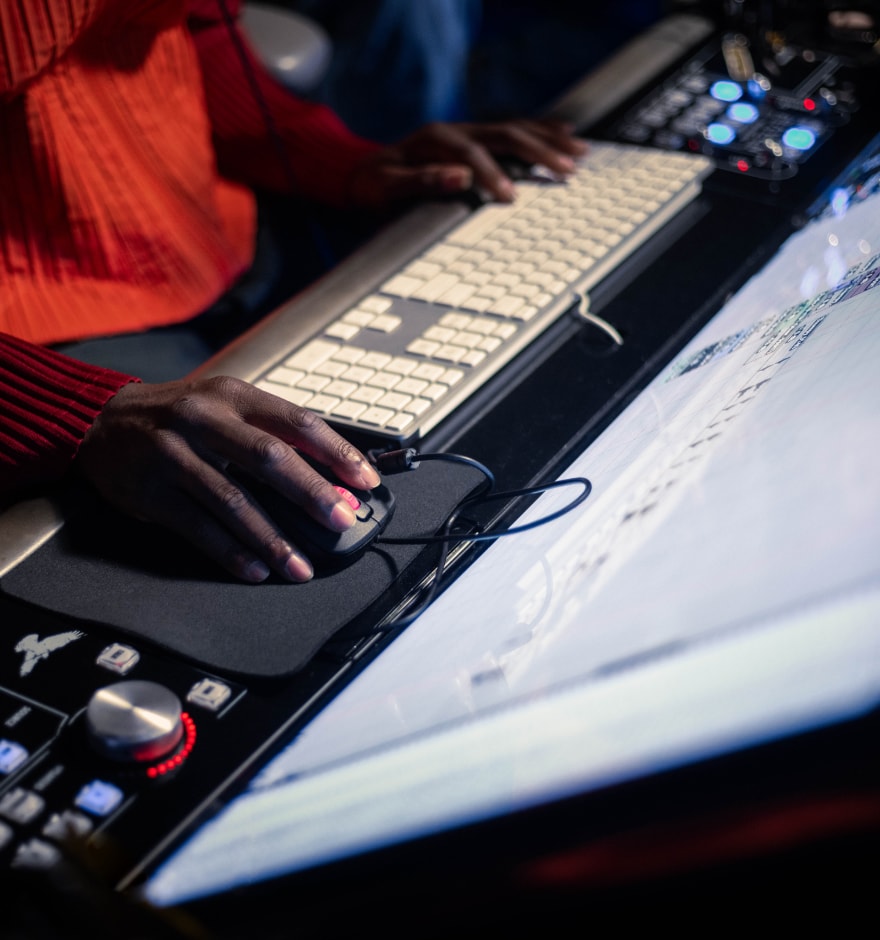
[(114, 217)]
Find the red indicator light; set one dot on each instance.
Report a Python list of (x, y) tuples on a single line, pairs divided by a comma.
[(809, 104), (189, 732), (742, 165)]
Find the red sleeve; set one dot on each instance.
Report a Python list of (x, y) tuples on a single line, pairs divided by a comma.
[(321, 151), (33, 35), (47, 403)]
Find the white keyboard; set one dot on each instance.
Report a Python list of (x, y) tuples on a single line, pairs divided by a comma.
[(409, 353)]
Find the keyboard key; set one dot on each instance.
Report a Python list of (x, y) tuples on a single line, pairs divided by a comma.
[(411, 386), (349, 410), (296, 396), (375, 304), (401, 285), (340, 389), (423, 347), (313, 382), (374, 360), (323, 404), (332, 368), (401, 365), (385, 323), (311, 355), (350, 355), (394, 400), (427, 371), (376, 416), (340, 330), (358, 374), (450, 353), (368, 394), (359, 317), (284, 376)]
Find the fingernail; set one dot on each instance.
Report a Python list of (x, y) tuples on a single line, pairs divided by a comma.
[(507, 190), (298, 568), (342, 517), (369, 476), (256, 571), (454, 179), (566, 164)]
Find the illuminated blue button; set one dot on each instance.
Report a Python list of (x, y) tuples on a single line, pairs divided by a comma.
[(720, 133), (839, 202), (758, 88), (726, 91), (743, 113), (99, 798), (12, 756), (799, 138)]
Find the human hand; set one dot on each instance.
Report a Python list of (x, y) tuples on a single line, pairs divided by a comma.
[(450, 158), (161, 452)]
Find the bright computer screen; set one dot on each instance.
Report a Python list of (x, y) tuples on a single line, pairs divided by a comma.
[(720, 588)]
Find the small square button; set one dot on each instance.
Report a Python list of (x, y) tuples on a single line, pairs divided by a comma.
[(36, 854), (118, 658), (21, 806), (68, 824), (99, 798), (12, 756), (210, 694)]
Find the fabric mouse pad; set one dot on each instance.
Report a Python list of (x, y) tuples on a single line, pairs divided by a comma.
[(109, 569)]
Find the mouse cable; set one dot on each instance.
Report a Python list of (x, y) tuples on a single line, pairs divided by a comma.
[(401, 461)]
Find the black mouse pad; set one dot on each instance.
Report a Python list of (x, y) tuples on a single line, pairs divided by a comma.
[(107, 568)]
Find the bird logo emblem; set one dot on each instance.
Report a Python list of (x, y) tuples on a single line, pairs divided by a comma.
[(35, 649)]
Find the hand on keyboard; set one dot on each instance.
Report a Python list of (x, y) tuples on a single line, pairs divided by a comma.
[(448, 158), (160, 453)]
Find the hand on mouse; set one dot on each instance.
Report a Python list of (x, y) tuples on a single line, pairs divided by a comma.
[(160, 452), (450, 158)]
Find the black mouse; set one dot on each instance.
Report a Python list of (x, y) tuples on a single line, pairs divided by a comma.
[(323, 547)]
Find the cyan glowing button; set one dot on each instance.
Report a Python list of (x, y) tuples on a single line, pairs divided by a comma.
[(799, 138), (720, 133), (726, 91), (743, 113)]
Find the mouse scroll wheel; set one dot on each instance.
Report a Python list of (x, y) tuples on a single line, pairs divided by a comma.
[(350, 498)]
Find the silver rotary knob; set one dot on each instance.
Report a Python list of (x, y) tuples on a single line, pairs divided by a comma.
[(134, 721)]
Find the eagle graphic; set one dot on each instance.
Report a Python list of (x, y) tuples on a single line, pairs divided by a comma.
[(35, 649)]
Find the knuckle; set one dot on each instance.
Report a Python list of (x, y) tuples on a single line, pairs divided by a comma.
[(306, 420), (224, 386), (318, 490), (187, 409), (273, 453), (231, 499)]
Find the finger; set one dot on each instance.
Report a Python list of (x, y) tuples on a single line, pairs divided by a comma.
[(398, 182), (458, 145), (293, 425), (276, 463), (517, 140), (559, 135), (220, 517), (198, 526)]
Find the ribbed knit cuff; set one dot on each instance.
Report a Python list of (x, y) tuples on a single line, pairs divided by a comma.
[(47, 403)]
